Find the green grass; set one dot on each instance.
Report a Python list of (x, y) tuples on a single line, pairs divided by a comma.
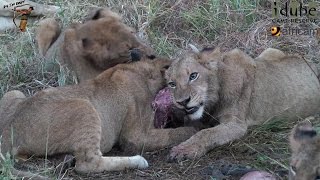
[(22, 68), (6, 165), (163, 45)]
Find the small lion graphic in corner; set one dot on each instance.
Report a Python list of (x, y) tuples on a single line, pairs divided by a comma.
[(9, 9)]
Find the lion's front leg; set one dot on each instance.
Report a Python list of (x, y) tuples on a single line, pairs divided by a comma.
[(207, 139), (154, 139), (160, 138)]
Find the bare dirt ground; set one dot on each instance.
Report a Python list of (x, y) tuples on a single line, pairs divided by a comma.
[(169, 26)]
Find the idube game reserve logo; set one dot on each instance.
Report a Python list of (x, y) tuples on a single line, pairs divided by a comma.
[(294, 12)]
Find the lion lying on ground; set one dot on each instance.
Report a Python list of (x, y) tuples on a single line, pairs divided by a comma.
[(90, 48), (88, 119), (305, 147), (239, 92)]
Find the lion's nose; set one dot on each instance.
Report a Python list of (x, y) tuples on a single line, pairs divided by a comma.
[(184, 102), (135, 54), (151, 56)]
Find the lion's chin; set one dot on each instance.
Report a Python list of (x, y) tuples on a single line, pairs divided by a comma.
[(196, 115)]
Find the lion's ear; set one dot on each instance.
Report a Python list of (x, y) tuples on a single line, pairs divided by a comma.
[(89, 45), (210, 53), (86, 43), (94, 14), (103, 13), (302, 134), (209, 57), (163, 64), (164, 69), (99, 13)]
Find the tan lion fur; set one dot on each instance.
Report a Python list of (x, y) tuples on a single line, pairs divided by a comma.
[(88, 119), (239, 92), (305, 148), (88, 49)]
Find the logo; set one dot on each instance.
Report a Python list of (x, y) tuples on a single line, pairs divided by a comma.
[(20, 10), (13, 4), (285, 13), (294, 11), (295, 31), (275, 31)]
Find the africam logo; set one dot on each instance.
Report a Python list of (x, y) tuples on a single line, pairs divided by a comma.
[(22, 10), (275, 31), (295, 31)]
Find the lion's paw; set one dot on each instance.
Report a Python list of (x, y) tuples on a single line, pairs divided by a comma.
[(139, 162), (185, 151)]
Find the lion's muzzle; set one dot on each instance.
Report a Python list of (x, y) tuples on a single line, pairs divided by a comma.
[(192, 109)]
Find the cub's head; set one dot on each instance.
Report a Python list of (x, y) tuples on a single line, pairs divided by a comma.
[(105, 41), (305, 147), (193, 81), (143, 75), (152, 73)]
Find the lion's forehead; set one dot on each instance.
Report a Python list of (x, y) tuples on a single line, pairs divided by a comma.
[(183, 67), (105, 27), (177, 73), (104, 35)]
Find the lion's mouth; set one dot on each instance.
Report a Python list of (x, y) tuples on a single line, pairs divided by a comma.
[(191, 110)]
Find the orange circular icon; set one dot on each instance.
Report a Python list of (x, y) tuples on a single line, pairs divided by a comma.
[(275, 31)]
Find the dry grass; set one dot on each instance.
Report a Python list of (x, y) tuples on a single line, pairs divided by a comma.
[(169, 26)]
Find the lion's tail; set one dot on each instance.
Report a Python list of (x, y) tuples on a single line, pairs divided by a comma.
[(47, 33)]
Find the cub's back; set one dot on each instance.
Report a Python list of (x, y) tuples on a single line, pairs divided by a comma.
[(285, 87)]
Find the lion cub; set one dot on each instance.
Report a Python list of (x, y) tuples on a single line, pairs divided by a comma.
[(88, 119), (238, 92), (88, 49), (305, 147)]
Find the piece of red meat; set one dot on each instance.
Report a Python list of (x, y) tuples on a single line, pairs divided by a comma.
[(162, 105)]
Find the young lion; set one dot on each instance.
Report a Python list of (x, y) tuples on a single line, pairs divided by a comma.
[(305, 147), (239, 92), (90, 48), (88, 119)]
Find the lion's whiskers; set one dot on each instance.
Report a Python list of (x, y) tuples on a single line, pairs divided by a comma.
[(214, 118)]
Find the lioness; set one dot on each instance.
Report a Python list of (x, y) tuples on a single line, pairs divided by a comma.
[(88, 119), (90, 48), (238, 91), (305, 147)]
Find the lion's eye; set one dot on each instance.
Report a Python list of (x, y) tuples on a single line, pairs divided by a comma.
[(193, 76), (172, 84)]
